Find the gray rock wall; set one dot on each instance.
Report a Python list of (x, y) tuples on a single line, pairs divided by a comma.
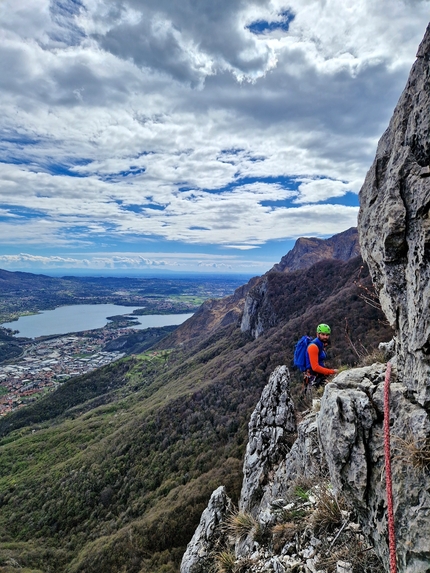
[(271, 433), (394, 225), (257, 312), (198, 556), (394, 230), (350, 425)]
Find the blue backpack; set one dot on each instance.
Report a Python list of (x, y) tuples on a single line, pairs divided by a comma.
[(300, 352)]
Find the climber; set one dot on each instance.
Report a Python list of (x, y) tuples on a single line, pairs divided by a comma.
[(316, 373)]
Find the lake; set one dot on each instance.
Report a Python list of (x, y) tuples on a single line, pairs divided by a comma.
[(75, 318)]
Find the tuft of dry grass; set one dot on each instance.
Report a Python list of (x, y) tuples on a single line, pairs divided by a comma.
[(240, 524), (411, 452), (367, 359), (225, 561), (282, 533), (328, 511), (355, 551)]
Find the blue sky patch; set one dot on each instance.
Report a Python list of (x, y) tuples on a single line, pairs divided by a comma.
[(350, 199), (22, 212), (262, 26), (288, 183), (141, 208), (17, 139), (59, 169)]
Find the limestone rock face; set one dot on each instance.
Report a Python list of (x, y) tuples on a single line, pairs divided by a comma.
[(197, 557), (271, 432), (304, 459), (257, 313), (394, 226), (350, 425)]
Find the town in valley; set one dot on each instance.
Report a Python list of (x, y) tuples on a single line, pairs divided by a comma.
[(29, 368)]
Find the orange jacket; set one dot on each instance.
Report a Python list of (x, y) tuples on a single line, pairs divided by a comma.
[(313, 352)]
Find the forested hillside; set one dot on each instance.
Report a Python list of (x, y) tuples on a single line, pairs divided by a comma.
[(113, 472)]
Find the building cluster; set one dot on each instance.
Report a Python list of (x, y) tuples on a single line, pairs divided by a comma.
[(46, 364)]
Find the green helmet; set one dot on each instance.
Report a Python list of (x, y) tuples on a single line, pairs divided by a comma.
[(323, 329)]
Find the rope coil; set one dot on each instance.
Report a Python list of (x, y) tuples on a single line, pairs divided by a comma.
[(388, 478)]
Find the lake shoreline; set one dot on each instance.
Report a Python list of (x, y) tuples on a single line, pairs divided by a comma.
[(81, 318)]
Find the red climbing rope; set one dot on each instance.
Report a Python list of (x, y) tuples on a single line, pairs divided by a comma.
[(388, 481)]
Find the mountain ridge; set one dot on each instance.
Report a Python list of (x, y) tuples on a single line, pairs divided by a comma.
[(238, 307), (310, 250)]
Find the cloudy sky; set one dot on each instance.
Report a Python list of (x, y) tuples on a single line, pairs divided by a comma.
[(192, 135)]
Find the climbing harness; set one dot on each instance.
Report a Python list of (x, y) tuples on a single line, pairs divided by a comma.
[(388, 480), (311, 381)]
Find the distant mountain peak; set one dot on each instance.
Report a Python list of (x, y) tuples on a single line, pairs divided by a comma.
[(309, 250)]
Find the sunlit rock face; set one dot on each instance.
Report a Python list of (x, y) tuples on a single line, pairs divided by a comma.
[(394, 226)]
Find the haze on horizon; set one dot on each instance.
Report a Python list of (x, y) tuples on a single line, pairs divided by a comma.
[(142, 135)]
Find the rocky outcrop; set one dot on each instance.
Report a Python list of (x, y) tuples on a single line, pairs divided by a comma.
[(258, 313), (309, 250), (351, 417), (339, 457), (199, 553), (394, 226), (271, 432), (304, 460)]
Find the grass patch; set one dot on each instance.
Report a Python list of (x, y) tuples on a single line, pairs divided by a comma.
[(302, 493), (412, 452), (240, 524), (328, 511), (225, 561)]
